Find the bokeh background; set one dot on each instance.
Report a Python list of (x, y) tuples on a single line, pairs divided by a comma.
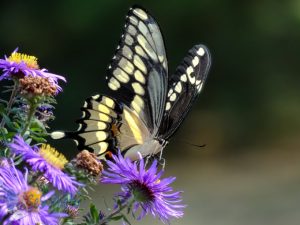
[(248, 114)]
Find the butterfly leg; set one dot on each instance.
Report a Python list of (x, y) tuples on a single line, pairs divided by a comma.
[(162, 162), (163, 144), (147, 160), (160, 154)]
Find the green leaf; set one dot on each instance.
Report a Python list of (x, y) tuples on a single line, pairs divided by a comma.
[(6, 119), (38, 139), (94, 213), (116, 218)]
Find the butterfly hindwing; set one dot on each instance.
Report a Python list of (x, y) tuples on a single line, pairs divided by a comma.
[(138, 70), (97, 126), (184, 86)]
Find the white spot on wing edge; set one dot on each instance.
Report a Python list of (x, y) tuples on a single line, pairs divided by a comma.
[(178, 87), (201, 51), (170, 92), (168, 106), (198, 82), (173, 97), (183, 78), (195, 61), (79, 127), (189, 70), (95, 97), (199, 87), (57, 135)]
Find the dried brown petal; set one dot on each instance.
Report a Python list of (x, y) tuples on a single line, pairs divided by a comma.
[(89, 162), (30, 85)]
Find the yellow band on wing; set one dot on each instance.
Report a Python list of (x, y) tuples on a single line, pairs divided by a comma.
[(133, 125)]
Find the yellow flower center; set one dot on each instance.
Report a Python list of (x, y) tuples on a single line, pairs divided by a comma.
[(30, 61), (31, 198), (52, 156)]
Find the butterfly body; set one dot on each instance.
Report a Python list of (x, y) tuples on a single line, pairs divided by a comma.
[(144, 106)]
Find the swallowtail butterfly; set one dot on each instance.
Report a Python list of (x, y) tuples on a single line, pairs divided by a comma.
[(144, 107)]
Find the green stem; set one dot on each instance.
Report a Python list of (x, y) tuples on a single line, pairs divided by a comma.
[(10, 102), (116, 212), (32, 108)]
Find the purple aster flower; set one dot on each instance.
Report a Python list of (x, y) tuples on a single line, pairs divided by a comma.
[(48, 161), (19, 64), (21, 204), (150, 193)]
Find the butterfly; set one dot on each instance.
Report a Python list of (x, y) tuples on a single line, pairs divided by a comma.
[(144, 107)]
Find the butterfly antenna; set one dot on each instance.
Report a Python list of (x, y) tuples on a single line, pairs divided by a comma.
[(194, 145)]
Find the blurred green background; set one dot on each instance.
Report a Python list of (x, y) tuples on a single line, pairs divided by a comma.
[(248, 114)]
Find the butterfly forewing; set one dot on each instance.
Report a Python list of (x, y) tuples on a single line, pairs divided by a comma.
[(138, 70), (183, 88)]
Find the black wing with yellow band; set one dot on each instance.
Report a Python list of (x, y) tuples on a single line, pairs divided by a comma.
[(183, 88), (138, 71), (98, 126)]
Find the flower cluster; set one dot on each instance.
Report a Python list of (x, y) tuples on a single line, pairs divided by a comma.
[(39, 185), (19, 65)]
